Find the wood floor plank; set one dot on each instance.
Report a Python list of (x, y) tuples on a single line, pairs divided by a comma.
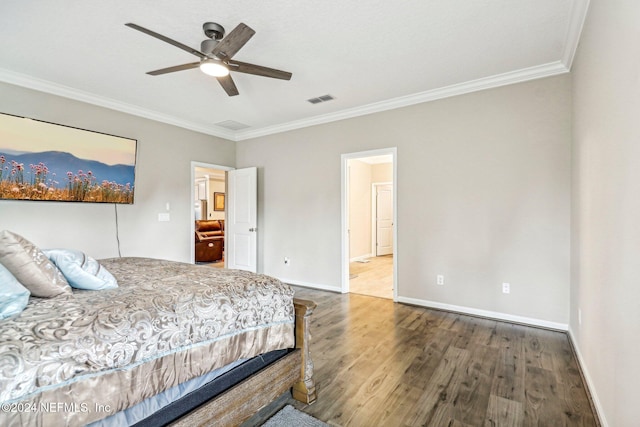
[(503, 413), (569, 383), (419, 373), (383, 363), (374, 278), (542, 406), (475, 330), (377, 390), (442, 389), (509, 376), (472, 399), (396, 405), (537, 351)]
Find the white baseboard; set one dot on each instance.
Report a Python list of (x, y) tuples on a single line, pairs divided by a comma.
[(330, 288), (485, 313), (587, 377)]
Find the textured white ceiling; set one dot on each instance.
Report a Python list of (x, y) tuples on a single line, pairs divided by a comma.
[(370, 55)]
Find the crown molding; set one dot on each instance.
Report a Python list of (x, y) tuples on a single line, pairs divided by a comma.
[(518, 76), (577, 18), (34, 83)]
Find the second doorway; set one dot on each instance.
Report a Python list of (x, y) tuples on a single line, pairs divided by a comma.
[(370, 225)]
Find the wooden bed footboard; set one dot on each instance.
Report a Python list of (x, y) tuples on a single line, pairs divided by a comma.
[(293, 371), (305, 389)]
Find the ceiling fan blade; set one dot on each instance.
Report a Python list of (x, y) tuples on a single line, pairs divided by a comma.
[(174, 69), (228, 85), (231, 44), (167, 40), (258, 70)]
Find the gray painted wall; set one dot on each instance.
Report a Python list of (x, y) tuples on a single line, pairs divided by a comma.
[(606, 207), (483, 197), (162, 175)]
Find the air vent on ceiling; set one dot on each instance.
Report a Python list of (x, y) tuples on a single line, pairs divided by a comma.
[(319, 99), (232, 125)]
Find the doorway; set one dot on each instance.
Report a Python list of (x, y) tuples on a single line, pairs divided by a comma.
[(208, 189), (369, 264)]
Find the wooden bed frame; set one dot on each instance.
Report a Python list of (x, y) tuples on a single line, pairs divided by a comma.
[(293, 371)]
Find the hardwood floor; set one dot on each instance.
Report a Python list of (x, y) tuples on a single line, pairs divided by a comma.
[(374, 278), (383, 364)]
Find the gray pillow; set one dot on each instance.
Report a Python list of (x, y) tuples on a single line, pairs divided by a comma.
[(31, 267)]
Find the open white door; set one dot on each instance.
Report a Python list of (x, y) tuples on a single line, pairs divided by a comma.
[(241, 225)]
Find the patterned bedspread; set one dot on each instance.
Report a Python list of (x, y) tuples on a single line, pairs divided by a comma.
[(99, 352)]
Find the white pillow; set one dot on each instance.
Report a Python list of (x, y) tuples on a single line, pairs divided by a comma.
[(13, 296), (31, 267), (80, 270)]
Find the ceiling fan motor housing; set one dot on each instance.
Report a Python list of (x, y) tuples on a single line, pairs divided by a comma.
[(207, 46), (213, 31)]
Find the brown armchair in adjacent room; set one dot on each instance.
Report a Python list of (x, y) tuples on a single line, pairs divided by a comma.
[(209, 240)]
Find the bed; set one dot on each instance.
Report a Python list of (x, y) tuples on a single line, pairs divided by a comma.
[(83, 357)]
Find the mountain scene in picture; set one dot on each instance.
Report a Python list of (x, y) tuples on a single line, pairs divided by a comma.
[(44, 161)]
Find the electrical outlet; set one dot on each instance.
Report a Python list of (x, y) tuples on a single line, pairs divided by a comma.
[(506, 288), (579, 317), (286, 261), (164, 217), (440, 279)]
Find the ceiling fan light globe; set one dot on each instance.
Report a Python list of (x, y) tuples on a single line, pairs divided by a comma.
[(214, 68)]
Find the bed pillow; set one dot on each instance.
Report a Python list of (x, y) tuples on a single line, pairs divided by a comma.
[(80, 270), (31, 267), (13, 296)]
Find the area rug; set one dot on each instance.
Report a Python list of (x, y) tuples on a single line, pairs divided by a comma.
[(291, 417)]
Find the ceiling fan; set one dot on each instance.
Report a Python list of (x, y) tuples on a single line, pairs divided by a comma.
[(215, 55)]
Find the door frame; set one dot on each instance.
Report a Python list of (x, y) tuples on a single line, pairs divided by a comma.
[(374, 211), (192, 226), (344, 211)]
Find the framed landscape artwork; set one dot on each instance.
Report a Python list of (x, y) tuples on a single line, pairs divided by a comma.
[(46, 161)]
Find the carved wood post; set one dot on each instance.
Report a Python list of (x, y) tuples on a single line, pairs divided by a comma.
[(305, 389)]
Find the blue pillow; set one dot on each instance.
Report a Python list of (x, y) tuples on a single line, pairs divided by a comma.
[(13, 296), (80, 270)]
